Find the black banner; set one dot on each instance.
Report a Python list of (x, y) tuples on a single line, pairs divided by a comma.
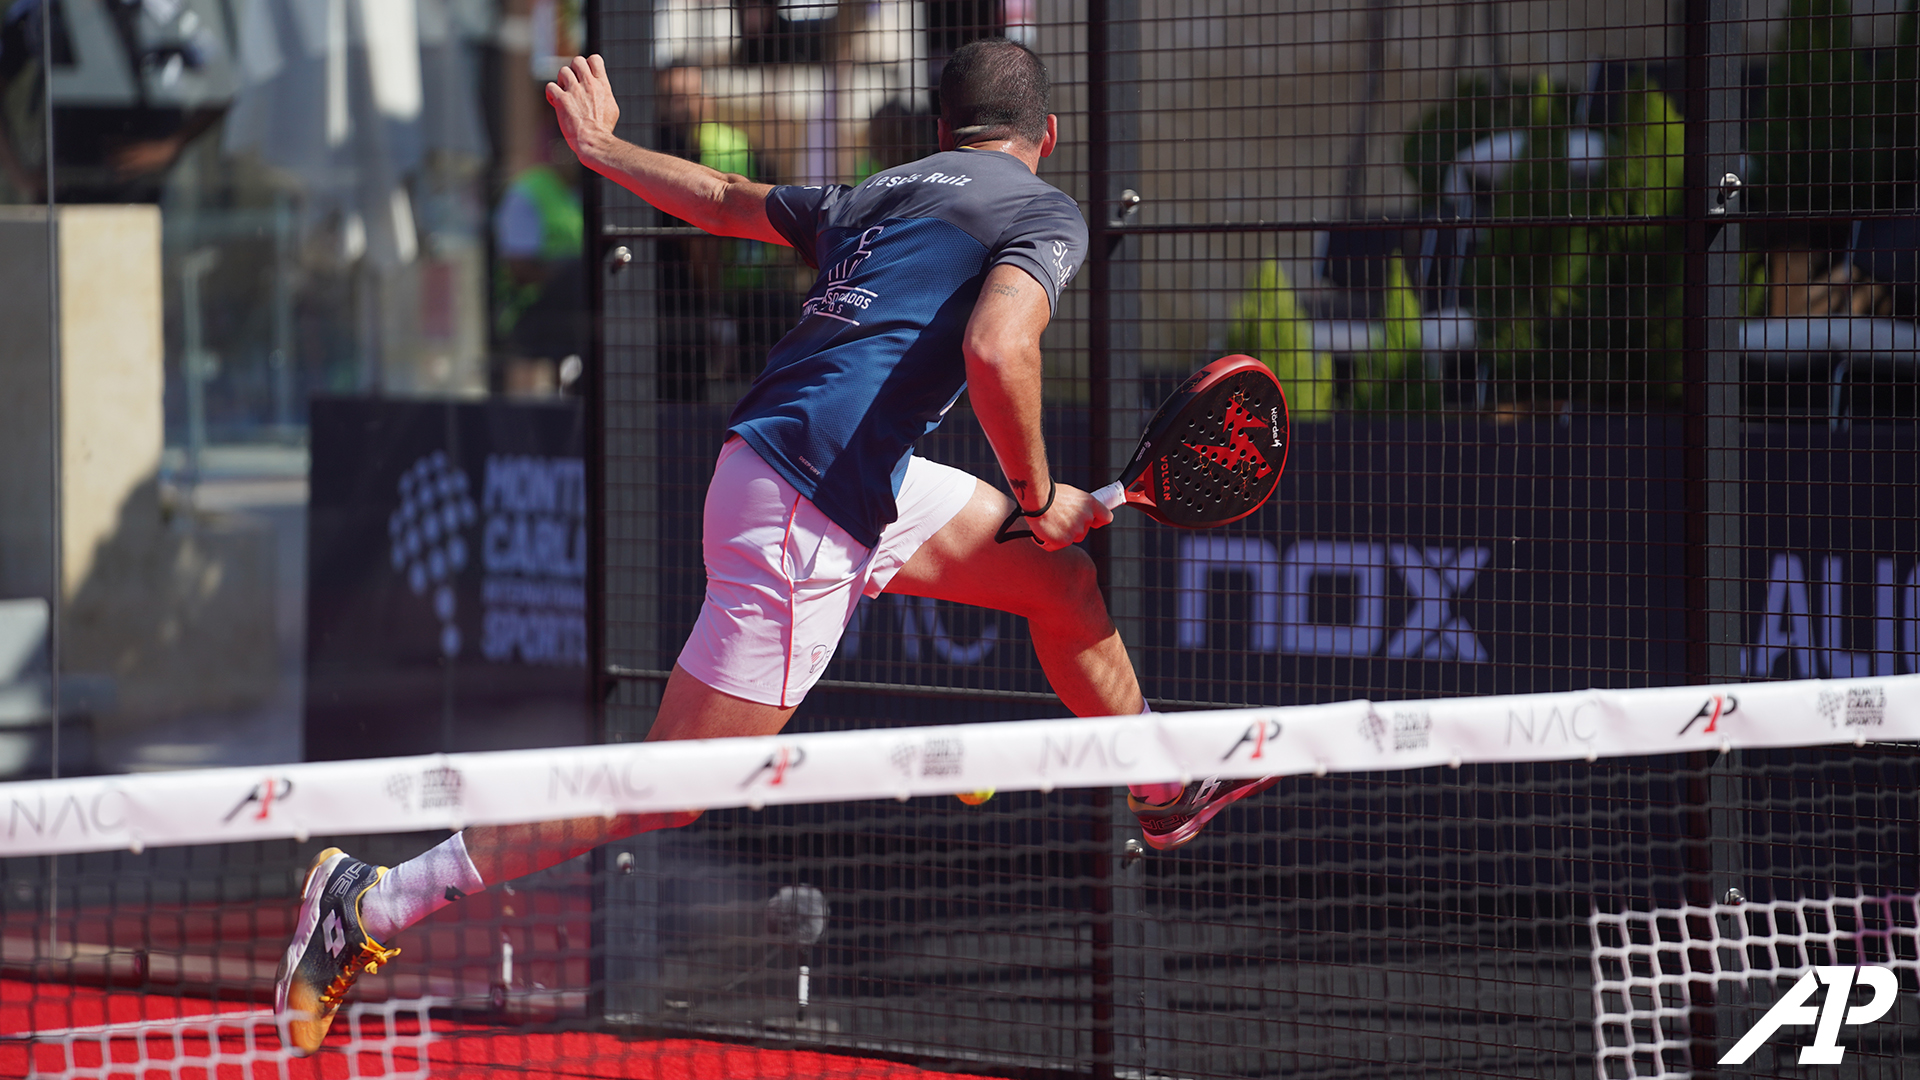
[(1437, 558), (446, 575)]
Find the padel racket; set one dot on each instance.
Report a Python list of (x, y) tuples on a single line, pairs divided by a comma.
[(1213, 453)]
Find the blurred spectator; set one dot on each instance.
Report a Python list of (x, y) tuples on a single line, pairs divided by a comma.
[(786, 31), (540, 302), (896, 135), (721, 305)]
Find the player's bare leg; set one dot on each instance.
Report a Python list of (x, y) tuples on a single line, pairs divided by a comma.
[(349, 907), (689, 709), (1073, 636), (1055, 591)]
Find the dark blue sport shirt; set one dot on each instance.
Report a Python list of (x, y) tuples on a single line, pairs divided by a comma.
[(875, 361)]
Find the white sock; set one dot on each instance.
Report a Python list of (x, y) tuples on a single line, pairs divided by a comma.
[(419, 887), (1156, 794)]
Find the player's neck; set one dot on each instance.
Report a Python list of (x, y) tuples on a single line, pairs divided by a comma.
[(1028, 154)]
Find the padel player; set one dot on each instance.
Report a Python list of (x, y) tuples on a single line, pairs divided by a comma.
[(934, 277)]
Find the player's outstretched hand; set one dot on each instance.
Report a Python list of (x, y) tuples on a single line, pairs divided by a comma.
[(1073, 515), (583, 103)]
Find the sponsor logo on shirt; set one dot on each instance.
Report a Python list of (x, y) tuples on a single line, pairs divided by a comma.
[(839, 300), (1062, 270)]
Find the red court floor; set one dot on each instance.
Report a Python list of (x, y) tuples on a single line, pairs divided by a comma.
[(462, 1051)]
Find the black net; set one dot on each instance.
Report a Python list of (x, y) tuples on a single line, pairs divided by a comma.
[(1624, 918)]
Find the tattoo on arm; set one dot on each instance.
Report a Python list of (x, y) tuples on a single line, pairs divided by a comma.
[(1001, 288), (1019, 486)]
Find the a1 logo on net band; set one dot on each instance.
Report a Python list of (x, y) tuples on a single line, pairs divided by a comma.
[(1827, 1018)]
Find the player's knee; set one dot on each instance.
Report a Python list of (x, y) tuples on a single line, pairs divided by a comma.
[(1075, 589)]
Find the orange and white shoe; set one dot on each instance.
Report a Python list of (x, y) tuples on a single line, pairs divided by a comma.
[(329, 949)]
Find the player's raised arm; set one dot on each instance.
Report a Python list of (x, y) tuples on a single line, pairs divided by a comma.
[(725, 204), (1002, 349)]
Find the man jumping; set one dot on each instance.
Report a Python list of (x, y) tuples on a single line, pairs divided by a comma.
[(934, 277)]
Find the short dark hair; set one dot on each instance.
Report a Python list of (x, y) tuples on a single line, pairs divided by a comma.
[(994, 88)]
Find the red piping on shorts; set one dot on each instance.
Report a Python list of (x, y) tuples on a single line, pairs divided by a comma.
[(786, 666)]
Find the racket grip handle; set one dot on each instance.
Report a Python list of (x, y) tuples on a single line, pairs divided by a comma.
[(1111, 496)]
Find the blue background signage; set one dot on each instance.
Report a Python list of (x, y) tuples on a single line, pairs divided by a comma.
[(447, 572)]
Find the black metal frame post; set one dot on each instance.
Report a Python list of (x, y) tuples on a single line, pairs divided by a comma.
[(593, 408), (1694, 332), (1099, 271), (1697, 885), (1099, 434), (1712, 448)]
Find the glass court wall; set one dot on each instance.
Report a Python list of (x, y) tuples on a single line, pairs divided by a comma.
[(219, 212)]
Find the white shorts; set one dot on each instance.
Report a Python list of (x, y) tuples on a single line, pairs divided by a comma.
[(783, 580)]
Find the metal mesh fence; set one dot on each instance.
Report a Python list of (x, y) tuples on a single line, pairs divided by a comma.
[(1594, 321), (1598, 326)]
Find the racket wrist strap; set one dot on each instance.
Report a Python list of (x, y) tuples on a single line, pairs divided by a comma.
[(1052, 490), (1006, 532)]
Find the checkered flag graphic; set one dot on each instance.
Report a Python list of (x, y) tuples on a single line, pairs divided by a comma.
[(427, 531)]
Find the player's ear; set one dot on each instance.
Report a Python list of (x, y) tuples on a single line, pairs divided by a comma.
[(1052, 137), (946, 135)]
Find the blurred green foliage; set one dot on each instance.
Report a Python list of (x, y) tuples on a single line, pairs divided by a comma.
[(1480, 107), (1391, 376), (1837, 129), (1588, 310), (1584, 310), (1269, 326)]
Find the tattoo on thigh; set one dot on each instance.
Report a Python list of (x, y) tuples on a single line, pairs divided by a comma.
[(1001, 288)]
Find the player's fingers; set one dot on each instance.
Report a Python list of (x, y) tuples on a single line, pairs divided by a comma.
[(566, 79), (581, 69), (598, 65), (553, 94)]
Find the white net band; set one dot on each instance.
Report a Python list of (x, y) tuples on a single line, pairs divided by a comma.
[(457, 790)]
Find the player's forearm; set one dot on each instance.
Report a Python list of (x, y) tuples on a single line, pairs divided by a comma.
[(720, 203), (1004, 386)]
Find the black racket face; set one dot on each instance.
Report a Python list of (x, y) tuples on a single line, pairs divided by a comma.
[(1216, 449)]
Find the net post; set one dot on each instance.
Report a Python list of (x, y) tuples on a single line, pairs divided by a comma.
[(1697, 891), (1103, 855)]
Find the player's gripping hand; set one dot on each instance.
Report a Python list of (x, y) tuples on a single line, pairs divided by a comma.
[(1072, 516), (584, 105)]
